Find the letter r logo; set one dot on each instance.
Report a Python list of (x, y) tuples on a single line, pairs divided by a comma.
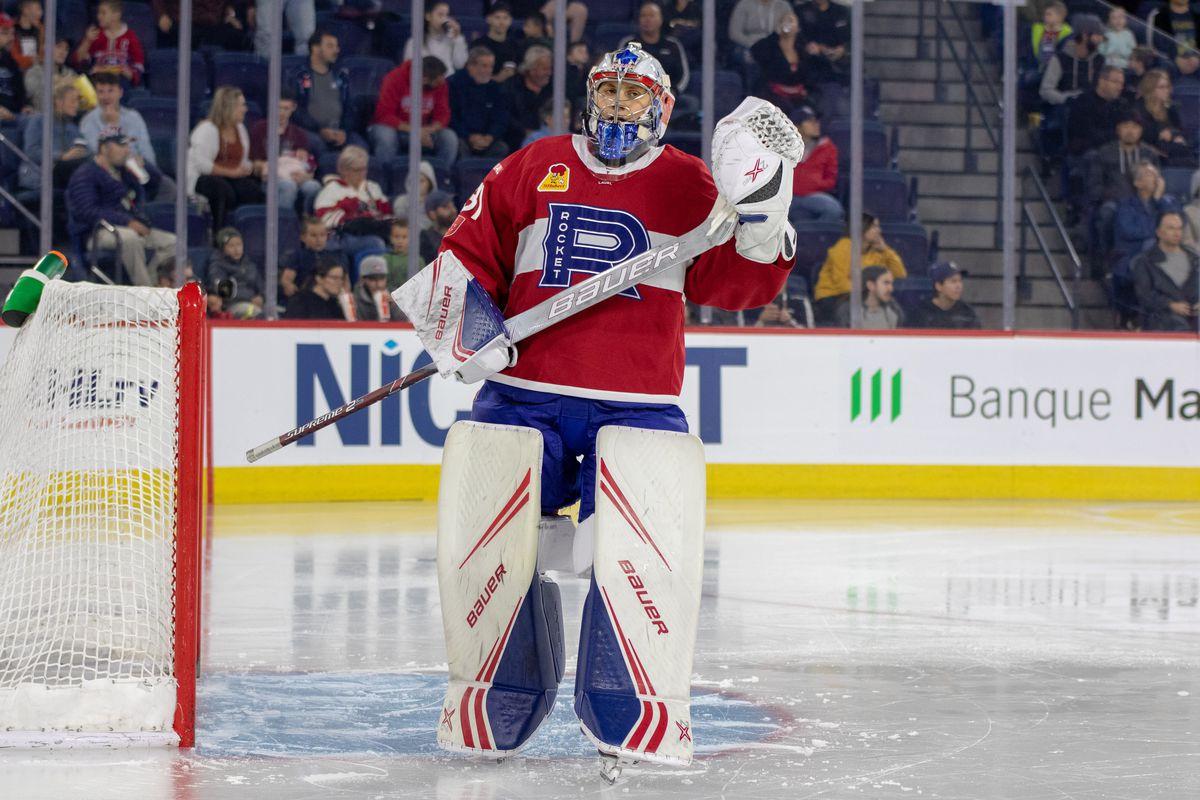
[(586, 239)]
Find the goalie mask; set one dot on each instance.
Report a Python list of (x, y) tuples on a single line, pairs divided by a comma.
[(629, 103)]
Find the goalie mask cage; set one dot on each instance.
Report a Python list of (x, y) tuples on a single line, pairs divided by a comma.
[(101, 450)]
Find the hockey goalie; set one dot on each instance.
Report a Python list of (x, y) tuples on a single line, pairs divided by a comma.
[(587, 411)]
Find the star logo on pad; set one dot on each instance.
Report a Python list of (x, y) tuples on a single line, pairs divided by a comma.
[(447, 713), (684, 733), (756, 170)]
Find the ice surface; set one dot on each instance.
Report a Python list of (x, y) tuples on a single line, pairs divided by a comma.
[(961, 650)]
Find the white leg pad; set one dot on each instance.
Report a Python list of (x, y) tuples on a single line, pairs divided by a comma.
[(649, 560), (488, 511)]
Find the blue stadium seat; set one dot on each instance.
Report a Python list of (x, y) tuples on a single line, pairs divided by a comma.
[(199, 258), (141, 20), (913, 245), (366, 73), (353, 38), (162, 216), (472, 26), (877, 148), (162, 70), (468, 174), (290, 67), (833, 99), (251, 220), (164, 152), (687, 141), (158, 112), (612, 11), (1179, 182), (609, 34), (728, 90), (246, 71), (813, 240), (886, 195)]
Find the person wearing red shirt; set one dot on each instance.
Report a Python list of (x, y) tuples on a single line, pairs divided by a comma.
[(112, 46), (389, 128), (816, 175)]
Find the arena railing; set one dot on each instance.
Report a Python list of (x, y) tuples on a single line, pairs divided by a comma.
[(1070, 296)]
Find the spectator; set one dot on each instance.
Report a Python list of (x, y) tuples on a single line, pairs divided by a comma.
[(879, 308), (321, 299), (683, 18), (826, 28), (68, 148), (392, 113), (1186, 69), (500, 41), (229, 265), (396, 257), (1110, 176), (1191, 214), (165, 272), (1135, 221), (426, 181), (1163, 129), (1167, 280), (1076, 64), (1180, 22), (102, 189), (528, 90), (1119, 41), (579, 64), (479, 108), (110, 46), (296, 268), (13, 101), (219, 166), (33, 76), (1092, 121), (577, 17), (1051, 32), (817, 173), (297, 167), (833, 283), (443, 38), (323, 95), (1141, 61), (27, 48), (372, 303), (440, 209), (946, 309), (301, 21), (214, 24), (546, 115), (109, 113), (354, 206), (783, 64), (776, 314), (667, 49), (536, 32), (752, 20)]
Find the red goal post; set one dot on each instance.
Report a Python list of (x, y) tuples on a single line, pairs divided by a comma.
[(103, 397)]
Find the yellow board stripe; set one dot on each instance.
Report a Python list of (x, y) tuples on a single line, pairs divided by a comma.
[(799, 481)]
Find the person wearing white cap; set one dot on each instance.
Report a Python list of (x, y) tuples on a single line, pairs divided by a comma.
[(371, 297)]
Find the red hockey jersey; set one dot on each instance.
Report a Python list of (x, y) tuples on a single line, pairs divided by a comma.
[(542, 221)]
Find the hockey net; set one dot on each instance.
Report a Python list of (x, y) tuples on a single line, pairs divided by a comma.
[(100, 431)]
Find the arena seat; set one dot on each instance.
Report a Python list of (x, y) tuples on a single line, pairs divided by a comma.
[(877, 146), (246, 71), (366, 73), (251, 220), (140, 18), (469, 173), (913, 244), (162, 70), (1179, 182), (158, 112), (199, 225), (813, 240)]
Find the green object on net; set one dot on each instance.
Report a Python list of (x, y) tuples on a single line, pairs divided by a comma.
[(27, 292)]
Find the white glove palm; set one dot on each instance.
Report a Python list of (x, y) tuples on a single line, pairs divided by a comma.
[(755, 151)]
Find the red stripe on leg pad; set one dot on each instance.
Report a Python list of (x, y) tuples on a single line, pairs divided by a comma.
[(464, 716), (622, 503), (632, 663), (657, 738), (642, 726), (483, 737), (503, 517)]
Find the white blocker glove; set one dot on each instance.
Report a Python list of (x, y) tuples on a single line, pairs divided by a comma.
[(456, 320), (755, 152)]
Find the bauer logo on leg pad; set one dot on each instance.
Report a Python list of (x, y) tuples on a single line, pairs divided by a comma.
[(643, 596)]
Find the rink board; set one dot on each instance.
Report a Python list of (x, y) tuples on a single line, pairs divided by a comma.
[(782, 414)]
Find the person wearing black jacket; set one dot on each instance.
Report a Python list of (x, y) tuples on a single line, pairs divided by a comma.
[(946, 309), (478, 107), (1166, 279), (320, 300), (13, 100), (1093, 116), (667, 49)]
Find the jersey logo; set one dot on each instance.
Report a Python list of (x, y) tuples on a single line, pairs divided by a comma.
[(590, 240), (558, 179)]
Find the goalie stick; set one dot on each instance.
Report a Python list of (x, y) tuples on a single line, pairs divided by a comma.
[(564, 304), (766, 123)]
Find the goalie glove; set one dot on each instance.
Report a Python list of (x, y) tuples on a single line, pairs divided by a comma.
[(456, 320), (755, 152)]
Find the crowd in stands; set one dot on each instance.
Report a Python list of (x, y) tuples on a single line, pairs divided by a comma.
[(487, 70), (1116, 101)]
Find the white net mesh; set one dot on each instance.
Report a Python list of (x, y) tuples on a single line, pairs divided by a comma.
[(88, 447)]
